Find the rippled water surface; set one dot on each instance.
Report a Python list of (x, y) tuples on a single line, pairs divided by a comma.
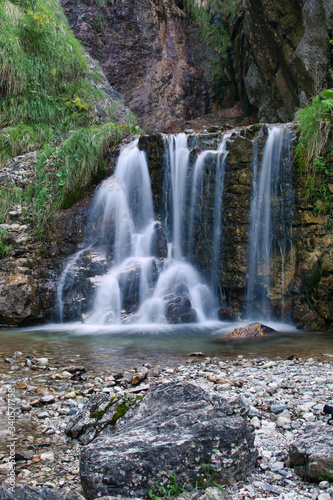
[(121, 346)]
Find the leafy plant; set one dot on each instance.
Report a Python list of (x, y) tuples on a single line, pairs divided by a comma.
[(314, 152), (168, 489), (171, 488)]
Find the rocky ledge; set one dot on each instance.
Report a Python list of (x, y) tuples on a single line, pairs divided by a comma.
[(283, 402)]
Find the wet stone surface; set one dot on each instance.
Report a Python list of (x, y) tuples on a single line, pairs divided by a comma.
[(283, 396)]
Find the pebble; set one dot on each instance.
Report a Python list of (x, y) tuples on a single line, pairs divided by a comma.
[(324, 496), (49, 456), (42, 361), (45, 400)]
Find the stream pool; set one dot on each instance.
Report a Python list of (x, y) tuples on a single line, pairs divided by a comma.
[(105, 346)]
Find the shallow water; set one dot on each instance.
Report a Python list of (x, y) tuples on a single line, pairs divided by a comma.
[(106, 346)]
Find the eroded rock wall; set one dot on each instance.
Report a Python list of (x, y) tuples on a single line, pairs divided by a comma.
[(285, 55), (153, 54), (149, 51)]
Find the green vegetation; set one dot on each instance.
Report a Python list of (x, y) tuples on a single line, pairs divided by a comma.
[(4, 248), (171, 488), (214, 19), (314, 153), (48, 104)]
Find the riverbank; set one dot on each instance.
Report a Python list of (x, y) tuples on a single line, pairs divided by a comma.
[(283, 395)]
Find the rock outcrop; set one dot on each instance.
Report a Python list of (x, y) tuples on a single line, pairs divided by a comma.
[(283, 55), (177, 430), (151, 52)]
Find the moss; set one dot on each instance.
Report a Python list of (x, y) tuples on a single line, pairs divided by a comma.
[(121, 409), (100, 414)]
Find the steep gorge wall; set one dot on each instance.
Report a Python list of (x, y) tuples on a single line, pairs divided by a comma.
[(287, 54), (152, 53), (149, 52)]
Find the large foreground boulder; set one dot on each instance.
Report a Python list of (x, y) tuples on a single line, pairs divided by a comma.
[(311, 455), (178, 431)]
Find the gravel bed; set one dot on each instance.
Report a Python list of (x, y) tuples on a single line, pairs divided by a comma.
[(283, 396)]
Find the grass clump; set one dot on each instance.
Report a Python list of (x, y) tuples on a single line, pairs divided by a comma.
[(172, 489), (4, 248), (64, 172), (48, 104), (314, 152)]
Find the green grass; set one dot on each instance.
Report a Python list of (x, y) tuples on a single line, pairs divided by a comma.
[(4, 248), (48, 104), (314, 153), (172, 489)]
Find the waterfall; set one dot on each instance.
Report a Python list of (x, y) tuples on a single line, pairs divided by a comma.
[(122, 274), (138, 267), (270, 217)]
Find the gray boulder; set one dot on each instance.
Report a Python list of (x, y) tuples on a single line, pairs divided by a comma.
[(311, 455), (178, 431), (25, 492)]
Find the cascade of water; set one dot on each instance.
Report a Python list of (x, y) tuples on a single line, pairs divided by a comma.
[(178, 158), (137, 287), (197, 207), (219, 190), (268, 216)]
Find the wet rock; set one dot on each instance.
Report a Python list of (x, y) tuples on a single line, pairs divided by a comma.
[(176, 428), (226, 314), (80, 283), (178, 309), (311, 453), (130, 281), (18, 299), (159, 245), (254, 330)]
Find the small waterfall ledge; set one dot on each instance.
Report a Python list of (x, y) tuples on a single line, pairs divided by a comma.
[(190, 228)]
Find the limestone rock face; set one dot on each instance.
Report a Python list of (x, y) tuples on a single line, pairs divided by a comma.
[(149, 52), (176, 429), (282, 55)]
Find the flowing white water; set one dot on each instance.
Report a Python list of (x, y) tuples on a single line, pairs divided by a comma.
[(178, 156), (269, 226), (138, 287)]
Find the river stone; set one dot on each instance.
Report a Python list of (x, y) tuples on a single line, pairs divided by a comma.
[(178, 429), (254, 330), (25, 492), (311, 455)]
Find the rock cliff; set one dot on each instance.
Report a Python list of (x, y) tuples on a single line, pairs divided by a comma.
[(152, 53)]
